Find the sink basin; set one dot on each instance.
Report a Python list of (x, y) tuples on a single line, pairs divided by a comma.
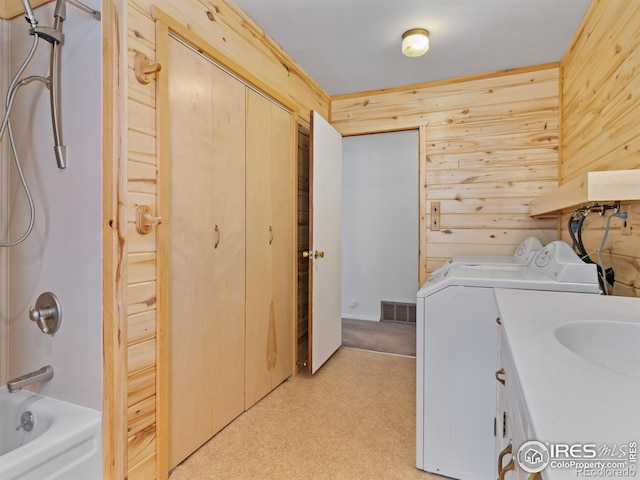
[(613, 345)]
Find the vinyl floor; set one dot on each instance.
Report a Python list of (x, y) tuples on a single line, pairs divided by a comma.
[(354, 419)]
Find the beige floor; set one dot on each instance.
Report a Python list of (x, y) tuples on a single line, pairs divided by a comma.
[(355, 419)]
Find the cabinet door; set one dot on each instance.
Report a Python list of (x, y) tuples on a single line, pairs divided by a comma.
[(206, 250), (260, 307), (269, 275), (227, 294), (282, 241)]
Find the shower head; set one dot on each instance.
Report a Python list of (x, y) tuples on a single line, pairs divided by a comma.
[(31, 18)]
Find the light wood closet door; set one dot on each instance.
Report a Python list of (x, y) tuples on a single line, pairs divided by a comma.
[(269, 276), (282, 215), (206, 250)]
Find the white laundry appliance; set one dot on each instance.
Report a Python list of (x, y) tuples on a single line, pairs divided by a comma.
[(457, 355), (522, 256)]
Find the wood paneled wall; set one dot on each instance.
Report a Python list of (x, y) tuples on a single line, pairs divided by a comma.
[(489, 144), (13, 8), (222, 25), (600, 129)]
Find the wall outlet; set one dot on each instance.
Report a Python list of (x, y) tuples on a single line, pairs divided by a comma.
[(435, 216)]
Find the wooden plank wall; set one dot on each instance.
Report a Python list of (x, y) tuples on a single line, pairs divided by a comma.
[(224, 26), (13, 8), (599, 128), (491, 146)]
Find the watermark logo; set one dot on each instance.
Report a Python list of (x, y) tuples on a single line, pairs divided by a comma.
[(585, 459), (533, 456)]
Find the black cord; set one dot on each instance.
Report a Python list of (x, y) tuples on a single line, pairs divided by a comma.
[(572, 225), (582, 251)]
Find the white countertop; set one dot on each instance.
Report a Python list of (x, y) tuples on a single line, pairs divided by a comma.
[(570, 399)]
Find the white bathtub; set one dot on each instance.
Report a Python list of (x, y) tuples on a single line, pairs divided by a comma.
[(65, 443)]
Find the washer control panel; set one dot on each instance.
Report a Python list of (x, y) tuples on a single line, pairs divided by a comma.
[(558, 261), (546, 255), (527, 249)]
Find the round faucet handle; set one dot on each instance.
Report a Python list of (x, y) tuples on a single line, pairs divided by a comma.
[(41, 317), (47, 313), (34, 314)]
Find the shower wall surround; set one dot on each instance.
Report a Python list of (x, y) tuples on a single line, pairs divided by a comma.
[(63, 253), (4, 204)]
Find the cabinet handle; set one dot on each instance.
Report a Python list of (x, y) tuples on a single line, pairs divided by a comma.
[(505, 451), (510, 466), (498, 373), (217, 242), (504, 424), (270, 235)]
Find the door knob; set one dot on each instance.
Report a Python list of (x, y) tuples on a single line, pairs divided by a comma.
[(311, 254)]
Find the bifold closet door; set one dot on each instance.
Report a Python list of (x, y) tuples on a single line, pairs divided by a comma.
[(269, 276), (206, 249)]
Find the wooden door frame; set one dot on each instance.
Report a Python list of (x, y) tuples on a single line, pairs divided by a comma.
[(114, 228), (165, 26)]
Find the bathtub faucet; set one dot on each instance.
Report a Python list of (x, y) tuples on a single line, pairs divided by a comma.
[(45, 373)]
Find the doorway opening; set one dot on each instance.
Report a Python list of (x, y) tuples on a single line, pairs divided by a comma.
[(380, 183)]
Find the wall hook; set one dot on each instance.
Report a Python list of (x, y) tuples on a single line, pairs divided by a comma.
[(145, 67), (144, 219)]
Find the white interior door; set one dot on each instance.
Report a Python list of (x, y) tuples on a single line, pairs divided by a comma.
[(325, 323)]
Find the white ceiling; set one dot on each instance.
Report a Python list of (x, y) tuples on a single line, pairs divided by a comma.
[(351, 46)]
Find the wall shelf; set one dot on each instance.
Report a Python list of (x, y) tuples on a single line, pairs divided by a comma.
[(605, 186)]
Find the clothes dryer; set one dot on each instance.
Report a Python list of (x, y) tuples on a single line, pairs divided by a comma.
[(522, 256), (457, 355)]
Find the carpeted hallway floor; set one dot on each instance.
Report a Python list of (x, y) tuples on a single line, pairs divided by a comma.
[(355, 419), (388, 337)]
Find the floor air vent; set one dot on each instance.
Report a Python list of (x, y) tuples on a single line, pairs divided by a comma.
[(397, 312)]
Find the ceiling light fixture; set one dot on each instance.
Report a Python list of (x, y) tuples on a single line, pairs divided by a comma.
[(415, 42)]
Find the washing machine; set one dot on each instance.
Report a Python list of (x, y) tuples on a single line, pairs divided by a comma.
[(522, 256), (456, 355)]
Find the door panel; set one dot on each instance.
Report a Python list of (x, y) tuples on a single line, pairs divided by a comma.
[(260, 305), (206, 264), (269, 327), (325, 327), (227, 293), (282, 245)]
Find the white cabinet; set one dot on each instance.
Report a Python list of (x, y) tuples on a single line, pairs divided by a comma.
[(512, 424), (555, 395)]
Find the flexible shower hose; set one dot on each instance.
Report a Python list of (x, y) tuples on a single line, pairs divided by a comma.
[(6, 126)]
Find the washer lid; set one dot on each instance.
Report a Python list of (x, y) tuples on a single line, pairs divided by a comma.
[(506, 276)]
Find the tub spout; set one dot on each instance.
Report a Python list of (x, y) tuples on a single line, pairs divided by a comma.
[(41, 375)]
